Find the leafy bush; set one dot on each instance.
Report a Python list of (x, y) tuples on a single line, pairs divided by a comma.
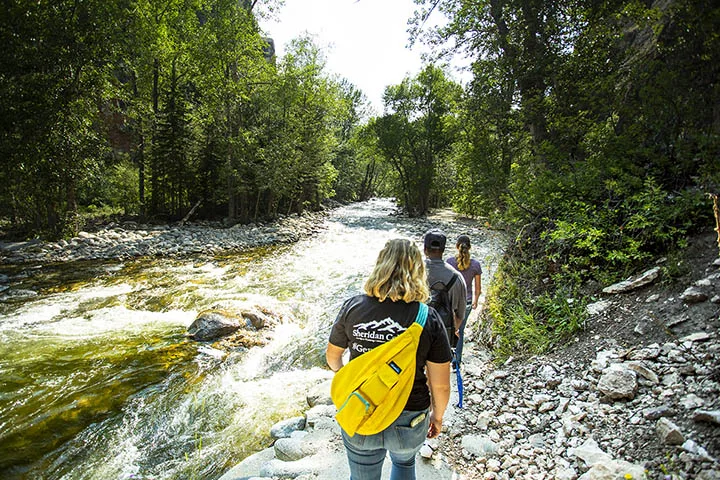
[(123, 188), (530, 318)]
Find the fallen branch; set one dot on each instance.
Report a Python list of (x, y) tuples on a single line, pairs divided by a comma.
[(192, 210)]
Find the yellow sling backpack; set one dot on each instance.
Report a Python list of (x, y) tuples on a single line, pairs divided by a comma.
[(371, 391)]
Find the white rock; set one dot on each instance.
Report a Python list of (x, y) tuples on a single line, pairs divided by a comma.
[(691, 401), (692, 447), (426, 451), (696, 337), (707, 416), (693, 295), (643, 371), (618, 382), (598, 307), (479, 445), (634, 282), (614, 469), (590, 453)]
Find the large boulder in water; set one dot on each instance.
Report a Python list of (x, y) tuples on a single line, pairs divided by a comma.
[(214, 324)]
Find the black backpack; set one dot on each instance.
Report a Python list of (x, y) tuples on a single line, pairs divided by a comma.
[(440, 301)]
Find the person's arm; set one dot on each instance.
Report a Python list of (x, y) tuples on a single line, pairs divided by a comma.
[(458, 299), (333, 355), (477, 291), (438, 375)]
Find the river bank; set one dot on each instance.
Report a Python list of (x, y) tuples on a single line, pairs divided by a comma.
[(129, 239)]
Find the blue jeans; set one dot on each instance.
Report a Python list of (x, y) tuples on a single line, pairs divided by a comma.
[(366, 453), (461, 335)]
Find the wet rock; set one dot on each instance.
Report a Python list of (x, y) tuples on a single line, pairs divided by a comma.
[(279, 468), (256, 320), (250, 467), (213, 324), (320, 394), (10, 295), (131, 240), (285, 428), (322, 417), (293, 448)]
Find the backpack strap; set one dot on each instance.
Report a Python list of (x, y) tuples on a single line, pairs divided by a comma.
[(445, 286), (421, 317), (452, 280)]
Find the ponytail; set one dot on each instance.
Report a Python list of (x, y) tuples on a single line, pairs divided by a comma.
[(463, 256)]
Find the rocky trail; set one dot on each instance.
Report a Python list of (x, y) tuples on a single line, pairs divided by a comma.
[(634, 395)]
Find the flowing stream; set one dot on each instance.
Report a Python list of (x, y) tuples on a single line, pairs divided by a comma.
[(97, 378)]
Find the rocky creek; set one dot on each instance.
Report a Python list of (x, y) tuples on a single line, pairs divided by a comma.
[(99, 377)]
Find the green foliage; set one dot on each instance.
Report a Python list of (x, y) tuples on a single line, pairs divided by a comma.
[(527, 321), (184, 91), (55, 65), (123, 188), (586, 129), (417, 134)]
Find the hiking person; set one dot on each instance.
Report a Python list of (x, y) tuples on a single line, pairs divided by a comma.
[(390, 304), (471, 270), (447, 286)]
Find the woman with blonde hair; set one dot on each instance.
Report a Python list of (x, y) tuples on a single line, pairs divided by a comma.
[(391, 301), (471, 271)]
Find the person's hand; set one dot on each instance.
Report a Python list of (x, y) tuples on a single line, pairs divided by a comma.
[(435, 426), (474, 305)]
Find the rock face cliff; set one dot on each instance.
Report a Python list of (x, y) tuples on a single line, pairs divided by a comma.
[(636, 394)]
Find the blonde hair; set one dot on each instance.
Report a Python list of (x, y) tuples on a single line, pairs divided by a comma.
[(399, 273), (463, 255)]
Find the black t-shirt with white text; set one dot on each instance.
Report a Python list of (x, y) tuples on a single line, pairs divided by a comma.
[(364, 322)]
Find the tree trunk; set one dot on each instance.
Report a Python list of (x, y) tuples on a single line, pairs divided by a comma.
[(153, 163)]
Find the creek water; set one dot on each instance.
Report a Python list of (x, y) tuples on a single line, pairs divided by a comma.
[(99, 381)]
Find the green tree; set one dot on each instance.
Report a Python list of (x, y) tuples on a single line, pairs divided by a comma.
[(56, 64), (417, 135), (583, 129), (292, 136)]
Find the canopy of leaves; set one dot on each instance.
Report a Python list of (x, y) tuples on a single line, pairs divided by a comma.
[(183, 90)]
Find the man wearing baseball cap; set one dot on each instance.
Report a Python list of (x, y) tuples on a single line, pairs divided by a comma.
[(441, 274)]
